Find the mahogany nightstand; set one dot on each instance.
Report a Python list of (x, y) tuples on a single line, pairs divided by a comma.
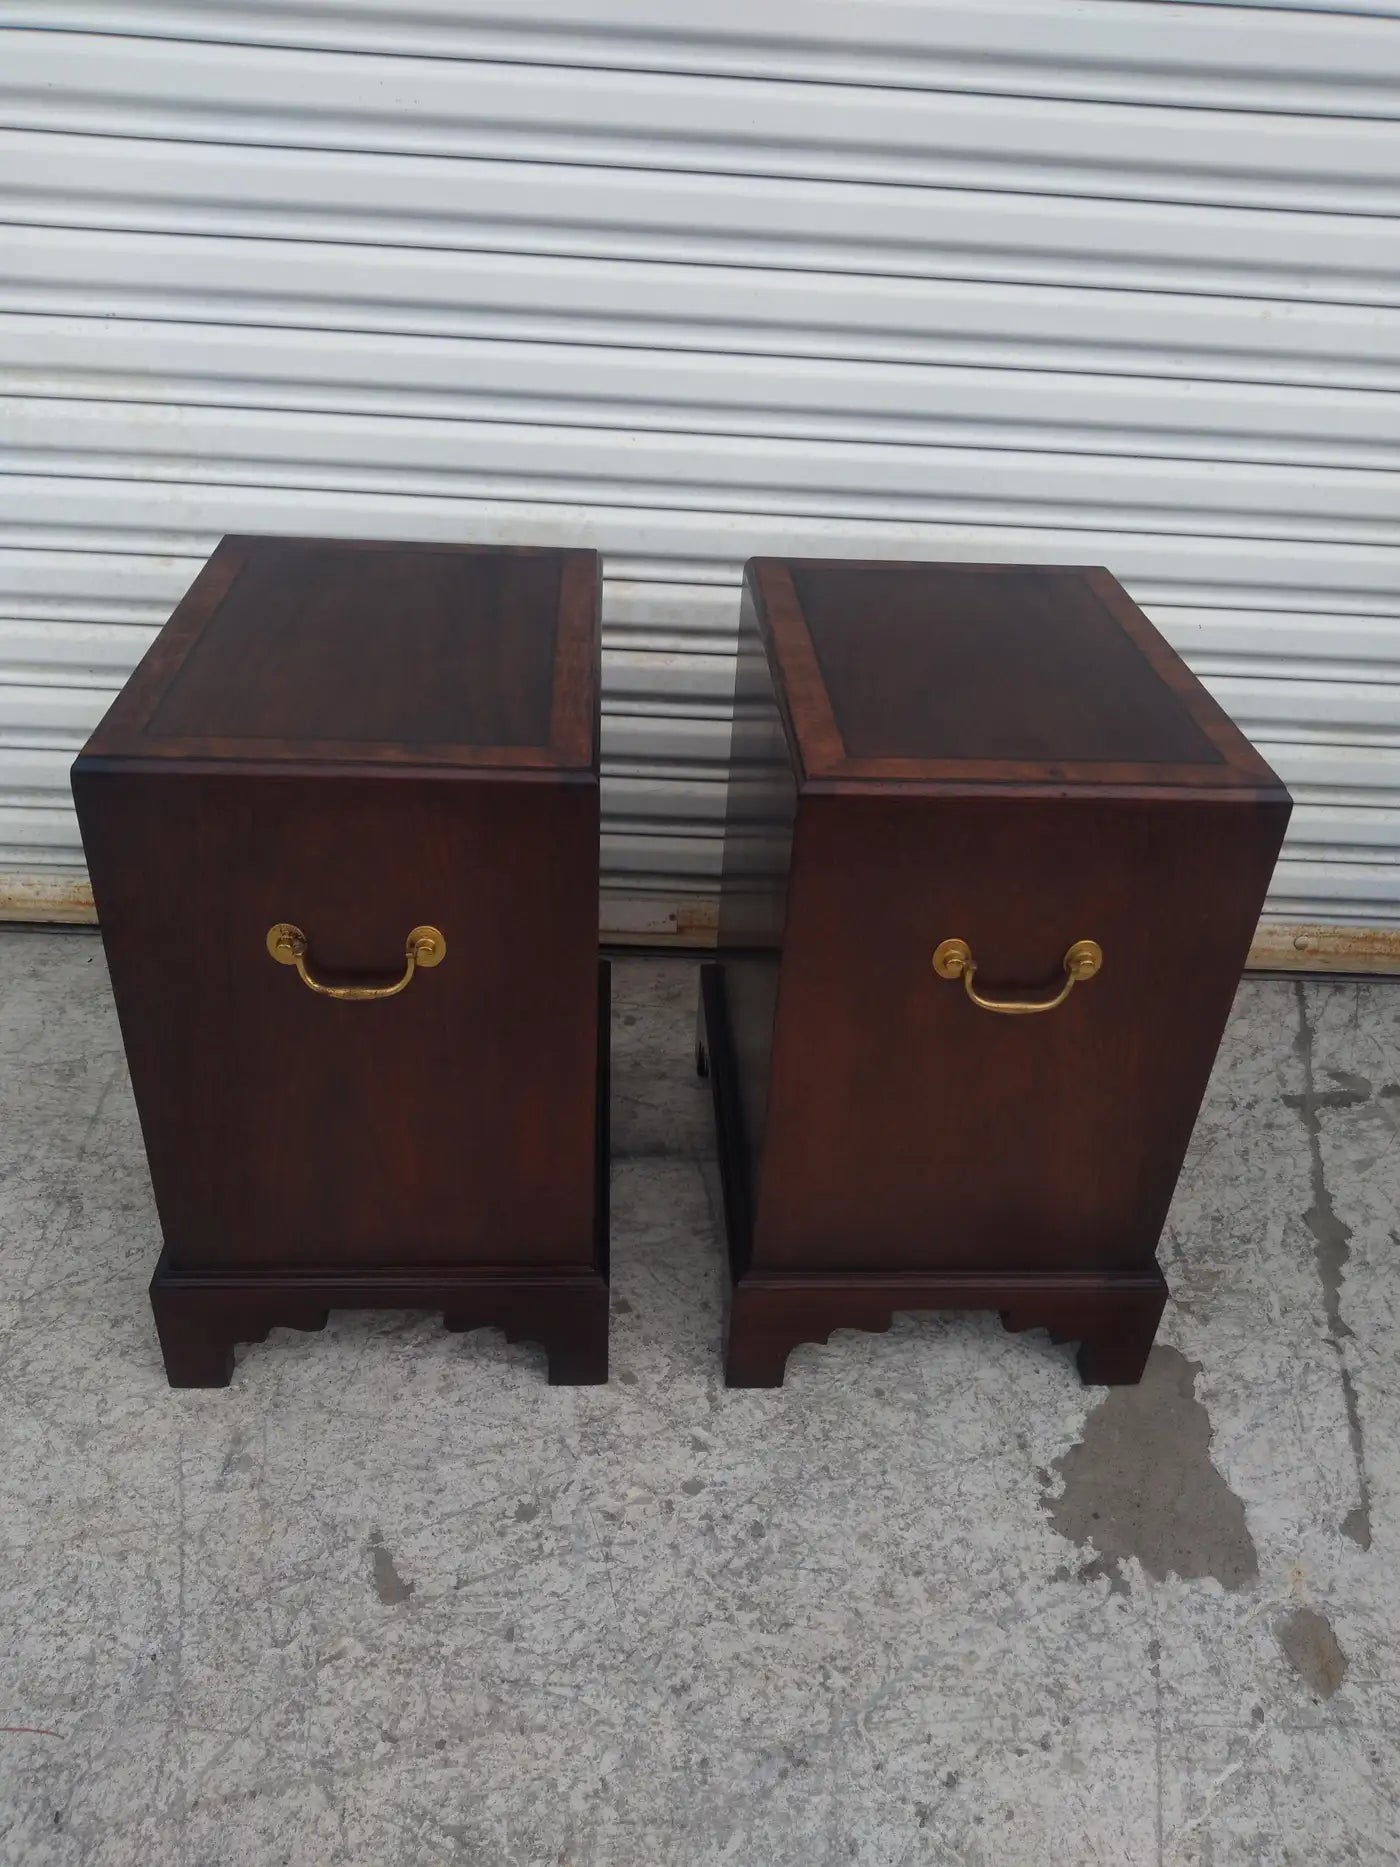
[(342, 825), (993, 861)]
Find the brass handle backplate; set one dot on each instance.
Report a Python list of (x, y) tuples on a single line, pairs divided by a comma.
[(287, 944), (953, 960)]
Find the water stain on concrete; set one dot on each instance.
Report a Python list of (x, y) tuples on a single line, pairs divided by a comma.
[(1141, 1482), (389, 1585), (1310, 1644), (1098, 1568)]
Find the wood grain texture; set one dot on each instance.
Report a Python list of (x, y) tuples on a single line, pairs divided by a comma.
[(1026, 1139), (447, 1132), (451, 1124), (1024, 666), (902, 1132), (300, 650), (1008, 677)]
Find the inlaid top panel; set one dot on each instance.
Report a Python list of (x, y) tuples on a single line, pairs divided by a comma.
[(987, 674), (321, 649)]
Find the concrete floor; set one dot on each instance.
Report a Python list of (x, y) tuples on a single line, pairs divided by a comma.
[(391, 1599)]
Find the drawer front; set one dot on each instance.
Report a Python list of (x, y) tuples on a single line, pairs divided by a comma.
[(909, 1127), (450, 1123)]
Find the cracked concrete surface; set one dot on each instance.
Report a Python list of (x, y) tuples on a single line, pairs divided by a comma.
[(1332, 1240), (391, 1599)]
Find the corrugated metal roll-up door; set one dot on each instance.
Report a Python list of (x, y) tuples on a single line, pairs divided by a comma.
[(1113, 283)]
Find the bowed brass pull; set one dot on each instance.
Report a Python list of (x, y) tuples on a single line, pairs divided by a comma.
[(953, 959), (425, 946)]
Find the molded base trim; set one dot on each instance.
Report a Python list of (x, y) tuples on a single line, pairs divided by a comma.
[(200, 1319), (1113, 1319)]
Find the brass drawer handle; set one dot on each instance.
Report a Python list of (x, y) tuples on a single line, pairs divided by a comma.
[(425, 946), (953, 959)]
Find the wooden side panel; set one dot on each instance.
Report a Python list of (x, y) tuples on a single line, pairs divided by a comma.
[(909, 1129), (451, 1125), (759, 818)]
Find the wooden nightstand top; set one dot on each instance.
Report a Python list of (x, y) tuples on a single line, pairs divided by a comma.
[(973, 675), (294, 650)]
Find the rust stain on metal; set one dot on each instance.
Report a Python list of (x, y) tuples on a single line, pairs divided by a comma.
[(699, 921), (52, 898), (679, 923), (1293, 946)]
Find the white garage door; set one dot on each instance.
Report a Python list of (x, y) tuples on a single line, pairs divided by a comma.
[(1105, 283)]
